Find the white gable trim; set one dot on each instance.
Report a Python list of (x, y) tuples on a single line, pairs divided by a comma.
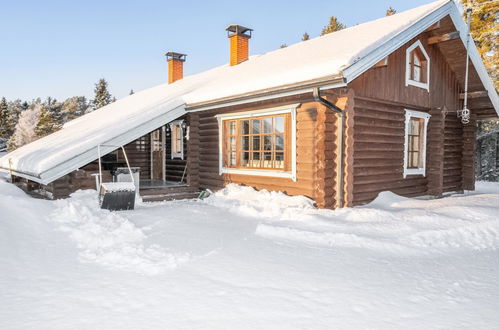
[(408, 80), (408, 115)]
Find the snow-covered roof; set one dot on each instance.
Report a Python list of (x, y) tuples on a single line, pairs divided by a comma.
[(330, 60)]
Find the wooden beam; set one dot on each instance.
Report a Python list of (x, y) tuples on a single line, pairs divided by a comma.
[(443, 37), (474, 95), (433, 27)]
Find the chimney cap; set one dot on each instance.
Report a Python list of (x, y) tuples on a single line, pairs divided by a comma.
[(175, 56), (235, 29)]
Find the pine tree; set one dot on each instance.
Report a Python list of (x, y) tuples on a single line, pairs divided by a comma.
[(4, 118), (283, 46), (131, 92), (47, 123), (14, 110), (25, 128), (102, 95), (485, 32), (55, 109), (74, 107), (390, 11), (333, 26), (305, 37)]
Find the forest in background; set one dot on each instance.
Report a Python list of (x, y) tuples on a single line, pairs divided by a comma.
[(22, 122)]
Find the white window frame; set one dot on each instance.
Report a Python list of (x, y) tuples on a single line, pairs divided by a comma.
[(421, 115), (291, 109), (179, 154), (408, 80)]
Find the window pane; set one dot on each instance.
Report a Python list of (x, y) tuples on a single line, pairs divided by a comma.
[(245, 159), (232, 143), (417, 61), (232, 128), (255, 126), (232, 159), (414, 126), (279, 142), (267, 125), (279, 160), (245, 126), (267, 142), (267, 160), (245, 143), (414, 146), (417, 73), (279, 124), (256, 142), (255, 159)]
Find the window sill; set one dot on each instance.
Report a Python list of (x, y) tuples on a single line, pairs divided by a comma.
[(269, 173), (418, 84), (414, 171)]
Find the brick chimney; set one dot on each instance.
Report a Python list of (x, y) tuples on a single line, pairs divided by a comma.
[(175, 66), (238, 36)]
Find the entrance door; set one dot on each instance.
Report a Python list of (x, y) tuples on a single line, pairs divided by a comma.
[(158, 154)]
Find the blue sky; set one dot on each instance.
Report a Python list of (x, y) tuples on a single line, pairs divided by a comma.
[(61, 48)]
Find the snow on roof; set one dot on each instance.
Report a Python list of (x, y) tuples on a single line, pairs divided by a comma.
[(341, 55)]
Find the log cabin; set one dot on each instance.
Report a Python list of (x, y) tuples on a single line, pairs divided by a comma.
[(338, 118)]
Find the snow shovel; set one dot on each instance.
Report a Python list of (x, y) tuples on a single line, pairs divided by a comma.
[(116, 196)]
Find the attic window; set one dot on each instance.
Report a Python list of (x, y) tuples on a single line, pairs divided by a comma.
[(417, 66)]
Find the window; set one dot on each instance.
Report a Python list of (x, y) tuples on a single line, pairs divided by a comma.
[(141, 143), (417, 66), (416, 124), (259, 143), (177, 139)]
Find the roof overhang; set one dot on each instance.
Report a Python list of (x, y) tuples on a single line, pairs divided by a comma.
[(91, 154)]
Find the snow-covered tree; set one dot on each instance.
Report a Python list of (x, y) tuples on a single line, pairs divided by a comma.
[(131, 92), (333, 26), (4, 117), (390, 11), (14, 109), (74, 107), (25, 128), (47, 122), (485, 32), (102, 95), (305, 37)]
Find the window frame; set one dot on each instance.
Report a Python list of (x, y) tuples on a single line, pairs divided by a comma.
[(290, 171), (425, 117), (408, 66), (179, 124)]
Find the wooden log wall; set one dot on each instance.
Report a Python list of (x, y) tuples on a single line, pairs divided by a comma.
[(192, 148), (139, 155), (381, 98), (315, 152)]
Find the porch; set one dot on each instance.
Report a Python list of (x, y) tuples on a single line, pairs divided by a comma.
[(159, 190)]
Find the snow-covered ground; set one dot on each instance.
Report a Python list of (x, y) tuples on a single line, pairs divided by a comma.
[(243, 259)]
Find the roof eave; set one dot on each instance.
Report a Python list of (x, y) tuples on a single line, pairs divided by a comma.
[(334, 81)]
